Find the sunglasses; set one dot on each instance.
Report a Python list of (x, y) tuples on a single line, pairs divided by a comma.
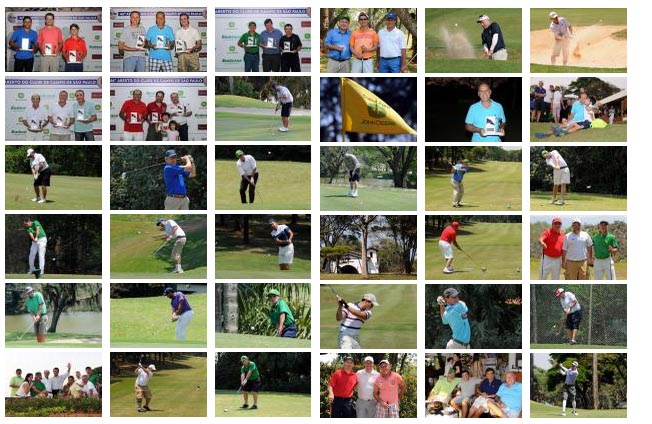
[(363, 19)]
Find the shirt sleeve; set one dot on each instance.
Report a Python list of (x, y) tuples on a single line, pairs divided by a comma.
[(469, 116)]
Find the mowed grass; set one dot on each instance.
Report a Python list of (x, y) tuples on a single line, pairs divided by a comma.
[(270, 404), (175, 391), (384, 276), (489, 186), (70, 193), (621, 270), (53, 340), (228, 100), (233, 126), (223, 340), (437, 56), (539, 18), (393, 324), (575, 346), (538, 410), (134, 238), (47, 276), (282, 185), (578, 202), (145, 322), (496, 247), (612, 133), (333, 197)]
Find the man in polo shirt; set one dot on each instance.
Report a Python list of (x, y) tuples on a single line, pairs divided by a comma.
[(551, 242), (364, 42), (563, 31), (486, 390), (577, 252), (569, 389), (61, 118), (508, 400), (388, 391), (560, 175), (39, 241), (50, 42), (133, 112), (340, 390), (35, 119), (160, 40), (281, 315), (539, 93), (285, 100), (41, 173), (486, 118), (182, 313), (246, 165), (447, 240), (24, 42), (173, 232), (269, 42), (337, 43), (573, 310), (290, 46), (36, 307), (249, 381), (441, 394), (14, 382), (465, 397), (352, 317), (85, 115), (249, 41), (605, 245), (365, 405), (57, 380), (493, 43), (175, 185), (180, 112), (132, 45), (188, 43), (455, 314), (155, 111), (74, 51), (391, 47)]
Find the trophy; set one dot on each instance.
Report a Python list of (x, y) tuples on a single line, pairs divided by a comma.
[(493, 125), (72, 56)]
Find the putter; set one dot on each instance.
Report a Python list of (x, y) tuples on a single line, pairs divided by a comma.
[(29, 327)]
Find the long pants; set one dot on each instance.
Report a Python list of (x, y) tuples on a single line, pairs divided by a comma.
[(604, 269), (244, 183), (458, 191), (365, 408), (182, 324), (575, 270), (38, 247)]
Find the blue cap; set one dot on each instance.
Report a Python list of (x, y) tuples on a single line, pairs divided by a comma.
[(168, 290), (170, 153), (390, 15), (159, 220)]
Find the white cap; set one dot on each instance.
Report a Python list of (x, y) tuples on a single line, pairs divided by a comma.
[(30, 151), (152, 367), (575, 364), (384, 361), (553, 15), (368, 358), (577, 220), (371, 298), (482, 18)]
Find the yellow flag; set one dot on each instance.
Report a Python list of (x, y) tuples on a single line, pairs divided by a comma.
[(363, 111)]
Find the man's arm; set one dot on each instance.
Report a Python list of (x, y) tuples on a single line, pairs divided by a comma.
[(122, 116), (339, 314), (331, 395), (542, 242), (401, 389), (403, 62), (281, 323)]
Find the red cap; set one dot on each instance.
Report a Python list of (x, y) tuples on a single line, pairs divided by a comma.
[(556, 219), (455, 224)]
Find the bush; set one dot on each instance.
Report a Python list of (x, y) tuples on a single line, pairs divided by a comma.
[(20, 407)]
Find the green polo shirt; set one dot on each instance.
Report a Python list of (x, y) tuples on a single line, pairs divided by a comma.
[(254, 371), (94, 378), (32, 229), (245, 39), (37, 384), (281, 307), (601, 244), (34, 302), (16, 381)]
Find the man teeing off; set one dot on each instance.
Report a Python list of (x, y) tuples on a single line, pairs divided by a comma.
[(352, 317), (573, 312), (248, 171), (352, 164), (173, 232), (569, 386), (454, 313), (143, 375)]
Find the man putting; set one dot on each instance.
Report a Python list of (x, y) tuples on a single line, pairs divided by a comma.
[(38, 310), (605, 246), (248, 170), (41, 173), (569, 387), (365, 405), (182, 313), (285, 100), (340, 390), (577, 252), (560, 175), (551, 242), (282, 236), (388, 391), (173, 232), (486, 118), (249, 381), (457, 175), (38, 245), (352, 317), (573, 312), (352, 164), (454, 313), (143, 375), (175, 184), (447, 240), (281, 315)]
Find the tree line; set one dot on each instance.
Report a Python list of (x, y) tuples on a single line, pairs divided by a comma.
[(437, 158), (265, 153), (78, 161), (287, 372), (258, 87)]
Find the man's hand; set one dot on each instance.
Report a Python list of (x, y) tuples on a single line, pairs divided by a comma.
[(278, 106), (342, 302), (175, 317), (567, 311), (441, 301), (543, 245)]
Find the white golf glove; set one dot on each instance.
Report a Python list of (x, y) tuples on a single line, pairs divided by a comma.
[(441, 301)]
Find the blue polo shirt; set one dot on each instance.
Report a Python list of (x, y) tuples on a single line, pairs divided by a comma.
[(174, 182), (578, 111), (160, 54), (478, 114), (275, 35), (18, 36), (490, 388), (511, 396), (458, 172), (338, 38), (456, 316)]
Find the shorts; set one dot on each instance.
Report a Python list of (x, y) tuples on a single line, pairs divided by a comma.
[(585, 125), (348, 341), (446, 249), (286, 109), (354, 175), (573, 320), (179, 242), (569, 391), (133, 136), (157, 65), (290, 331), (561, 176), (538, 104), (459, 399), (286, 254), (510, 412), (43, 178), (143, 392), (252, 386), (481, 403)]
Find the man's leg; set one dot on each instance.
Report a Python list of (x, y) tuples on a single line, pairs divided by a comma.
[(42, 244), (33, 250), (183, 323), (243, 189), (183, 132), (245, 399)]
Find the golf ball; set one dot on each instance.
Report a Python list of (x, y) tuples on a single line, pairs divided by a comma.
[(253, 328), (456, 25), (588, 186), (269, 254), (269, 153), (484, 269), (226, 409)]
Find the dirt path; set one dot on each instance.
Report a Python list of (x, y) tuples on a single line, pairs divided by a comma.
[(259, 111)]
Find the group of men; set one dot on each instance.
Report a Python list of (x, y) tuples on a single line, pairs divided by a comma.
[(378, 393), (49, 42), (355, 51), (280, 51), (56, 385), (546, 102), (576, 251), (64, 118), (165, 122)]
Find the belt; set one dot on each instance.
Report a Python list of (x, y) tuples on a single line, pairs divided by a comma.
[(390, 58), (178, 196), (462, 343), (368, 400), (562, 167), (576, 260), (339, 60), (180, 237), (365, 58)]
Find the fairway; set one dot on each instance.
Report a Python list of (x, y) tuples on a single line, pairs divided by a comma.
[(53, 340), (459, 27), (333, 197), (538, 410), (282, 185), (47, 276), (176, 392), (621, 269), (578, 202), (613, 133), (134, 238), (383, 276), (494, 246), (239, 341), (392, 326), (145, 321), (270, 404), (488, 186), (70, 193)]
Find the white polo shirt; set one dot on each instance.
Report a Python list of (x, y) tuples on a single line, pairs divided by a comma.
[(283, 94), (57, 382), (143, 377), (366, 382), (575, 245), (189, 36), (247, 167), (59, 115), (391, 42), (36, 116), (169, 225), (556, 159), (37, 161), (561, 28), (567, 300), (176, 111)]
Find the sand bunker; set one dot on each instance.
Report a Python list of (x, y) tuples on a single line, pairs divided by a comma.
[(457, 44), (591, 47)]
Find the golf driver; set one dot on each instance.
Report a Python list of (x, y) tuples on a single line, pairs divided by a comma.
[(484, 268), (124, 174), (342, 302), (29, 327)]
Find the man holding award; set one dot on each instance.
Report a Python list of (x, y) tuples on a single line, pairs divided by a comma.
[(35, 119), (50, 43), (85, 115), (133, 112), (61, 118), (160, 41), (131, 45), (180, 112), (269, 42), (290, 45), (24, 42), (188, 45), (486, 118), (249, 41), (155, 111), (74, 51)]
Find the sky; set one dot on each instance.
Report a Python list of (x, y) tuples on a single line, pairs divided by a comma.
[(541, 360), (566, 221), (620, 82)]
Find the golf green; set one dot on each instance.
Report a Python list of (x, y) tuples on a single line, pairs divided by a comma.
[(240, 341), (621, 269), (538, 410), (496, 247), (282, 185), (489, 186), (69, 193), (234, 126), (613, 133), (393, 324), (53, 340), (270, 404), (578, 202), (333, 197)]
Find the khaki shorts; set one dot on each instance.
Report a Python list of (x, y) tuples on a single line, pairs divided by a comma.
[(500, 55), (561, 176), (333, 66), (177, 249), (143, 392), (176, 203)]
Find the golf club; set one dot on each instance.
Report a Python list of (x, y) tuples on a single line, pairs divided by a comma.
[(234, 400), (342, 302), (257, 190), (29, 327), (124, 174), (484, 268), (159, 248)]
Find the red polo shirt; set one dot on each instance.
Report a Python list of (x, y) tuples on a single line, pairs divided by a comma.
[(78, 45), (449, 234), (554, 241), (154, 107), (343, 383), (131, 106)]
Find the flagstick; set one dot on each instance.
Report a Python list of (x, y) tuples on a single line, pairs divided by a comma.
[(342, 109)]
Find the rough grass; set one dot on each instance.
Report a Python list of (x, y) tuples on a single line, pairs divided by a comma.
[(223, 340), (578, 202), (54, 340), (153, 327), (613, 133), (392, 326), (538, 410), (621, 270), (270, 404), (333, 197), (69, 193), (233, 126), (496, 247), (489, 186), (282, 185)]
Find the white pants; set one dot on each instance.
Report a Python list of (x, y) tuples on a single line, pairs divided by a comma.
[(286, 254), (348, 341), (604, 269), (362, 66), (38, 247), (549, 267), (446, 249), (500, 55), (365, 408), (182, 324), (458, 191), (133, 136)]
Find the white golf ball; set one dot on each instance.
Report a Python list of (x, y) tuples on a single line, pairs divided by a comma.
[(226, 409), (456, 25), (269, 153), (269, 254), (54, 259), (253, 328), (588, 186)]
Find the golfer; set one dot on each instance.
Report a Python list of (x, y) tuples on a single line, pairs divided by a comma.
[(365, 405), (551, 242), (352, 317), (569, 386), (281, 315), (560, 175), (285, 99), (246, 165), (173, 232), (577, 252), (486, 118), (249, 381), (174, 176), (605, 245), (389, 389), (352, 164), (363, 43), (340, 390), (447, 240), (493, 43), (282, 235), (182, 313), (41, 173), (143, 375), (457, 175), (563, 31), (39, 241), (454, 313), (38, 310), (573, 312)]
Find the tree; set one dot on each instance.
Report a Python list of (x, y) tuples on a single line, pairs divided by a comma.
[(62, 297), (230, 318), (400, 159), (362, 224), (404, 231)]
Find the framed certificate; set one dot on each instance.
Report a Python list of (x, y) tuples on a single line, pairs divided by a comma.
[(133, 118), (24, 44), (160, 41), (493, 125), (80, 115), (72, 56)]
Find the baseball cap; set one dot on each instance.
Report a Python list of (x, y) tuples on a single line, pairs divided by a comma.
[(577, 220), (604, 222), (271, 220), (574, 363), (170, 153), (238, 153), (559, 292), (348, 358), (345, 16), (455, 224), (159, 221), (244, 358), (371, 298), (28, 289), (451, 292), (544, 153), (152, 367), (390, 15), (30, 151), (368, 358), (553, 15), (384, 361), (451, 371), (556, 219), (362, 14), (482, 18), (273, 292), (168, 290)]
